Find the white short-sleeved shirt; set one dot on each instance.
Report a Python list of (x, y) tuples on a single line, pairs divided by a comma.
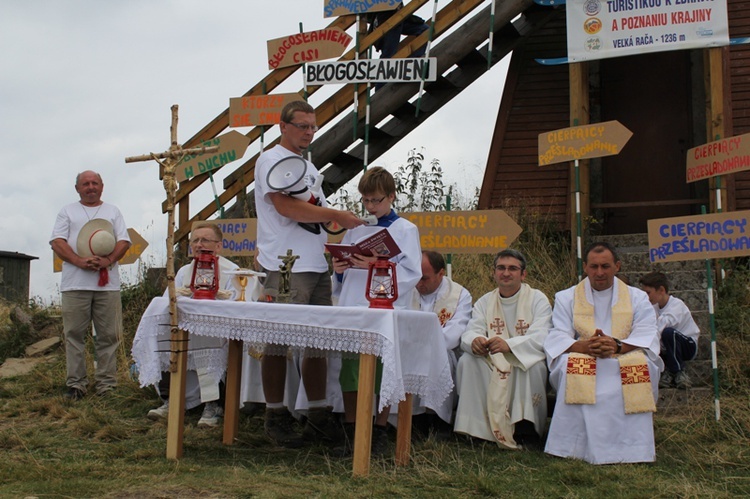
[(70, 220), (277, 233)]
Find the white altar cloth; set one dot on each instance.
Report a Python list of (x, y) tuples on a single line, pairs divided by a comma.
[(410, 343)]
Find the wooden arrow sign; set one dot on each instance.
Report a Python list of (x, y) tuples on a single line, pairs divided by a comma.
[(137, 246), (256, 110), (582, 142), (720, 157), (335, 8), (232, 145), (307, 47)]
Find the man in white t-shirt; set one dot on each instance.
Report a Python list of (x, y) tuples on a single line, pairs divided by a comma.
[(286, 222), (678, 331), (90, 283)]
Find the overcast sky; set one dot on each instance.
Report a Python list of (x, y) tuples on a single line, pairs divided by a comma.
[(85, 83)]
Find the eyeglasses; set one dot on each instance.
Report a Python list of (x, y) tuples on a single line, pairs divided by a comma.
[(304, 126), (203, 240), (373, 202), (509, 268)]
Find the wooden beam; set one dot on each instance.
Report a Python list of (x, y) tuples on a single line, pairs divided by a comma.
[(579, 115)]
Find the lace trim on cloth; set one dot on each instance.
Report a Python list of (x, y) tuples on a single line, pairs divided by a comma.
[(317, 331)]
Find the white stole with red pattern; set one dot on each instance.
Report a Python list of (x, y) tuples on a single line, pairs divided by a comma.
[(580, 385)]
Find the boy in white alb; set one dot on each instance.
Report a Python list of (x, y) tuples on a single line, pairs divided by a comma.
[(679, 332), (378, 190)]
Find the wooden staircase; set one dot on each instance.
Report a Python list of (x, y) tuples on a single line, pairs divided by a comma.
[(460, 44)]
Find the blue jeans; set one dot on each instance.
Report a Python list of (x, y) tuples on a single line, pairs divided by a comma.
[(676, 349)]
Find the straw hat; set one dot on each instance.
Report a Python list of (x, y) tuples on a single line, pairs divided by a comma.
[(97, 237)]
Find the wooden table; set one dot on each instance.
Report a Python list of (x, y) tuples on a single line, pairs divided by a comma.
[(410, 344)]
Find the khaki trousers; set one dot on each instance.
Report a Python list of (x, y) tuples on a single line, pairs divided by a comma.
[(79, 309)]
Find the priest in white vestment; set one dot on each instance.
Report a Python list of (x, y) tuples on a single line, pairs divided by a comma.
[(502, 377), (451, 302), (603, 355)]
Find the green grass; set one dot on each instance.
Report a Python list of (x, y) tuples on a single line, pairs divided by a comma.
[(105, 447)]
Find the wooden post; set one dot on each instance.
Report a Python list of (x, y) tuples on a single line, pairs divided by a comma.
[(363, 425), (403, 435), (232, 403), (178, 337), (578, 76), (716, 126)]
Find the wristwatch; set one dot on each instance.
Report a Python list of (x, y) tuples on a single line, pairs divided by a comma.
[(619, 345)]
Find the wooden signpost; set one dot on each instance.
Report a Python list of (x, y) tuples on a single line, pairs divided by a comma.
[(465, 232), (458, 232), (335, 8), (715, 235), (230, 147), (311, 46), (256, 110), (582, 142), (407, 70), (720, 157)]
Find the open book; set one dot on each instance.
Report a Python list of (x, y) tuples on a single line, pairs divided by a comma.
[(379, 243)]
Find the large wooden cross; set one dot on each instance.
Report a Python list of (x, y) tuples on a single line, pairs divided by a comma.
[(178, 338)]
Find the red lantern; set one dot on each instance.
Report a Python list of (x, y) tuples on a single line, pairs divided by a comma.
[(382, 289), (205, 281)]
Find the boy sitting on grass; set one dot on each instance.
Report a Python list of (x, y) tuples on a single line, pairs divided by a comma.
[(378, 190), (679, 332)]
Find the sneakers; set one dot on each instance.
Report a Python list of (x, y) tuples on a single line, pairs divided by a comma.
[(666, 380), (279, 427), (74, 394), (379, 441), (161, 412), (212, 415), (681, 380), (322, 426)]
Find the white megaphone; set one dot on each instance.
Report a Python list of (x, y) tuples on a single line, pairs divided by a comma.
[(288, 176)]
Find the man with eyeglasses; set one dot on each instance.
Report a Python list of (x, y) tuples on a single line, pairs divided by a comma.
[(283, 224), (502, 382), (203, 383)]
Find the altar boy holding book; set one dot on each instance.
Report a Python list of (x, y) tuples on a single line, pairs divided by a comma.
[(378, 190)]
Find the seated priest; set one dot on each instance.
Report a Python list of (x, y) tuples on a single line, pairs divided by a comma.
[(502, 376)]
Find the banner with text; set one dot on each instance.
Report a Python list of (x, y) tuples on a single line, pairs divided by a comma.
[(599, 29), (256, 110), (335, 8), (307, 47), (372, 70), (239, 236), (716, 235), (720, 157)]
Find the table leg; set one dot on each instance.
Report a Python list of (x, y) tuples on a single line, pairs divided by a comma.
[(232, 402), (363, 425), (178, 375), (403, 435)]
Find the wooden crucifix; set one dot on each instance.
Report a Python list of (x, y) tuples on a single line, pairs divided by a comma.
[(178, 338)]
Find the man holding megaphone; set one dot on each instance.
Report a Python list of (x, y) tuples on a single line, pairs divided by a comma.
[(291, 209)]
